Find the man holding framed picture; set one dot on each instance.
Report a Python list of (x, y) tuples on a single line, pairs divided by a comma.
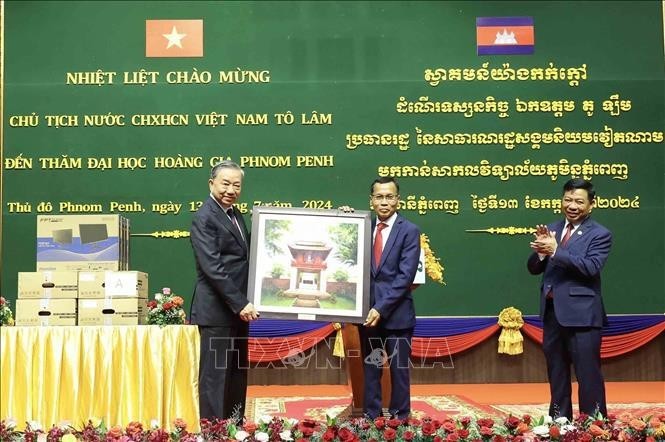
[(386, 334), (220, 306)]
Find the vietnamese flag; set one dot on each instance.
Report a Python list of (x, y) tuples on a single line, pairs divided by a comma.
[(174, 38), (505, 35)]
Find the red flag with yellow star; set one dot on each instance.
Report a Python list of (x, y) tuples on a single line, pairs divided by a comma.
[(174, 38)]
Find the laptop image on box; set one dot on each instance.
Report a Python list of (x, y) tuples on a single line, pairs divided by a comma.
[(93, 233), (62, 236)]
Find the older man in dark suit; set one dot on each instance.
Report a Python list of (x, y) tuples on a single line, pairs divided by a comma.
[(219, 306), (571, 254), (389, 325)]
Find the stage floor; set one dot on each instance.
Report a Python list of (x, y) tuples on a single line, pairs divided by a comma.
[(450, 400)]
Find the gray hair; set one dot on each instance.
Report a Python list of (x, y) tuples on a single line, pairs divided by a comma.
[(226, 164)]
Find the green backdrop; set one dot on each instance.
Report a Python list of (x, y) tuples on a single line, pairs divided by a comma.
[(348, 63)]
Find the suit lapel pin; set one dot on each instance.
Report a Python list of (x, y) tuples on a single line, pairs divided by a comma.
[(579, 232)]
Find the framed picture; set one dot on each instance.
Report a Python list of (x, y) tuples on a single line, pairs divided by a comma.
[(310, 264)]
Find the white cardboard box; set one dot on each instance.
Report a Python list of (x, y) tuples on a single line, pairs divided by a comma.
[(112, 311), (35, 285), (109, 284), (46, 312)]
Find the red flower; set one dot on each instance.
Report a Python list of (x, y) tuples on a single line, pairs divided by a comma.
[(486, 431), (250, 427), (465, 421), (438, 439), (346, 435), (512, 422), (452, 437), (585, 437), (485, 422), (152, 305), (328, 435), (526, 419), (463, 433), (582, 417), (448, 426), (2, 300), (498, 438), (158, 435), (380, 423), (408, 435), (394, 423), (389, 434), (555, 432), (428, 428), (168, 305)]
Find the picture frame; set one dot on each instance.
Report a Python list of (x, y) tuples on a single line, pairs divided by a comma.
[(310, 264)]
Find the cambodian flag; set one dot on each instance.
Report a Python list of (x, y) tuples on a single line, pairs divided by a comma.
[(504, 35)]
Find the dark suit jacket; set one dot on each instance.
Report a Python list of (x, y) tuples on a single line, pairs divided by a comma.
[(573, 274), (390, 282), (222, 265)]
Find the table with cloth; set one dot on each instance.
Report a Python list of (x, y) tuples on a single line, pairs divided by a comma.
[(116, 373)]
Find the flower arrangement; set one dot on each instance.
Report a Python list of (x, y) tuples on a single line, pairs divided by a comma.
[(6, 316), (433, 267), (274, 429), (166, 309), (96, 431)]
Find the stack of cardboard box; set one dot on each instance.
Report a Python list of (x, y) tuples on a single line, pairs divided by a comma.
[(82, 266), (46, 298), (112, 298)]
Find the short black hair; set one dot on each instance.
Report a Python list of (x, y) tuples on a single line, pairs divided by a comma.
[(383, 180), (579, 183)]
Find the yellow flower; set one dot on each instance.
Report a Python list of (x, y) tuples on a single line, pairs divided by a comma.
[(510, 339), (433, 267), (510, 317)]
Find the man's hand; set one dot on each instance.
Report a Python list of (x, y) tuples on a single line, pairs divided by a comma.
[(373, 318), (542, 231), (249, 313), (544, 242)]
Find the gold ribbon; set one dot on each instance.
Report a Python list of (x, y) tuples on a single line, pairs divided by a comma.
[(338, 349), (510, 339)]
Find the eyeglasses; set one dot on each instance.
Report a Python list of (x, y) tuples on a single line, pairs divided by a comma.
[(388, 198)]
